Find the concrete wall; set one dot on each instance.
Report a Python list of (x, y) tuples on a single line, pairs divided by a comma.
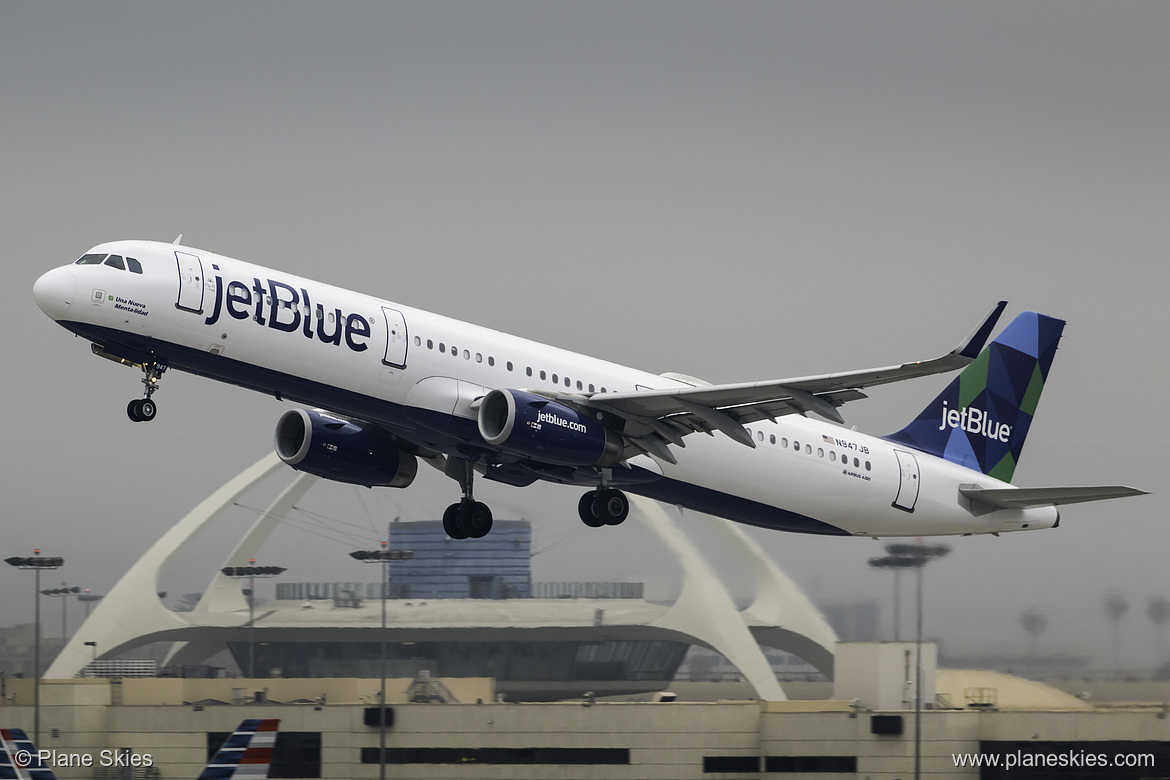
[(663, 740)]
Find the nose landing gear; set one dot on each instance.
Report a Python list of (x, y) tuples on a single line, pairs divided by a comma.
[(144, 409)]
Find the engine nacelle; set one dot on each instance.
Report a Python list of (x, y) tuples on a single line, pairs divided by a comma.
[(534, 427), (342, 450)]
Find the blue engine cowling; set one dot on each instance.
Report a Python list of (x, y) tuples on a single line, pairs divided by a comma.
[(342, 450), (532, 426)]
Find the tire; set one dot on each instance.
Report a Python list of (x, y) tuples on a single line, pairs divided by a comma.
[(147, 409), (132, 411), (476, 519), (451, 522), (585, 509), (611, 506)]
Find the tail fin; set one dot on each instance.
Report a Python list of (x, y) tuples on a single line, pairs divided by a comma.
[(981, 420), (18, 758), (247, 753)]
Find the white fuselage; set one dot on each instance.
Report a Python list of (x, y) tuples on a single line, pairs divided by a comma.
[(418, 374)]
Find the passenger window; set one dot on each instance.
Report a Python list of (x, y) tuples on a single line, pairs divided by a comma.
[(784, 442), (603, 388), (579, 385), (808, 449), (759, 435), (772, 439), (833, 456), (591, 387), (543, 375), (134, 266), (430, 344), (417, 340), (528, 370), (820, 452), (466, 355), (554, 378), (867, 466), (796, 446), (115, 261), (856, 463), (90, 260), (442, 347), (566, 381)]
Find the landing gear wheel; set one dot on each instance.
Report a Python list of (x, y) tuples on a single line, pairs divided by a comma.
[(475, 518), (611, 506), (132, 410), (451, 522), (147, 409), (585, 510)]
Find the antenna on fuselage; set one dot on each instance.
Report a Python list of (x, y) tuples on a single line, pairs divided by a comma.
[(178, 239)]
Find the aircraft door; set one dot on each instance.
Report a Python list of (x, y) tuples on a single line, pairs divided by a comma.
[(396, 338), (909, 483), (190, 282)]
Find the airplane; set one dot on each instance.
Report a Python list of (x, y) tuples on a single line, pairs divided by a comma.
[(245, 755), (19, 759), (387, 385)]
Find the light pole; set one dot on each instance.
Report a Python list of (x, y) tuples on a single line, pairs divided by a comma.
[(88, 599), (62, 593), (383, 556), (251, 572), (37, 564), (913, 556)]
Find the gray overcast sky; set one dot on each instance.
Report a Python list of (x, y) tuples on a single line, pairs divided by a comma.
[(735, 191)]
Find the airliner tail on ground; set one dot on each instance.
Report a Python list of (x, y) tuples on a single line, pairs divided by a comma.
[(245, 755), (385, 386)]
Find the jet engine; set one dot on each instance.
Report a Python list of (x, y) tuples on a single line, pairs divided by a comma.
[(532, 426), (342, 450)]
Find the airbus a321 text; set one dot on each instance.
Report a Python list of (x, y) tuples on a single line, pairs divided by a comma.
[(388, 385)]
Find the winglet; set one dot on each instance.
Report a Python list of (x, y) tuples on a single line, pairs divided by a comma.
[(971, 346)]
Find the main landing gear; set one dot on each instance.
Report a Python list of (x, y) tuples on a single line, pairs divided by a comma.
[(604, 506), (471, 519), (144, 409), (468, 518)]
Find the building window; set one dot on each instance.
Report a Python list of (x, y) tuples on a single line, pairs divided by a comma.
[(295, 754), (500, 755)]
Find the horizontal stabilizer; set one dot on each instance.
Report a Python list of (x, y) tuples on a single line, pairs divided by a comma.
[(1025, 498)]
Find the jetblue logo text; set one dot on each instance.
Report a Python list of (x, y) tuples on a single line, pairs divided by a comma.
[(281, 307), (548, 417), (974, 420)]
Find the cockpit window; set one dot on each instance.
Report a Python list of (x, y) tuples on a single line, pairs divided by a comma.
[(91, 259), (115, 261), (134, 266)]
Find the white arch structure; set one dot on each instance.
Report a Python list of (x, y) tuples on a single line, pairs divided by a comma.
[(132, 614)]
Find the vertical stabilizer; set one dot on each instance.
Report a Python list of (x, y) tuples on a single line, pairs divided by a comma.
[(981, 420), (18, 758), (246, 754)]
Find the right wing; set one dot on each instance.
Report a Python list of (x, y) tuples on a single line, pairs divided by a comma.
[(655, 418)]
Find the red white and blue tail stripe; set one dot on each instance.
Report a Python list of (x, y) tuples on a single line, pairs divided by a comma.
[(18, 758), (246, 754)]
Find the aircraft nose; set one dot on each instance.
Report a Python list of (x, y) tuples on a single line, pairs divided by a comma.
[(54, 291)]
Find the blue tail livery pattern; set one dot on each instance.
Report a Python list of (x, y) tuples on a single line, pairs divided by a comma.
[(982, 418), (19, 759)]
